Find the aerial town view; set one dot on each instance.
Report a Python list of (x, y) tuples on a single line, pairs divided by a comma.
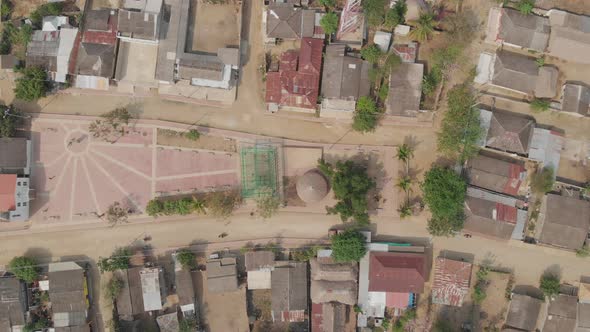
[(295, 165)]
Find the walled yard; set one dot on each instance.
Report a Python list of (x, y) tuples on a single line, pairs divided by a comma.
[(214, 25)]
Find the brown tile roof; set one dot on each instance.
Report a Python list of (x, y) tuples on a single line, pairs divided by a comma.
[(330, 317), (567, 222), (528, 31), (344, 77), (515, 72), (405, 89), (13, 152), (289, 289), (451, 281), (255, 260), (397, 272), (510, 132), (495, 174), (96, 60), (184, 287), (562, 313), (523, 312), (576, 99), (289, 22), (480, 218)]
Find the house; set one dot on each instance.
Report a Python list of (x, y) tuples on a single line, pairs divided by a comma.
[(391, 279), (331, 281), (509, 27), (289, 292), (576, 99), (168, 322), (566, 223), (405, 90), (139, 21), (14, 197), (496, 174), (259, 265), (51, 50), (130, 299), (494, 215), (184, 289), (517, 73), (562, 314), (345, 79), (15, 155), (152, 287), (68, 294), (285, 21), (451, 281), (583, 324), (222, 275), (523, 312), (570, 36), (95, 66), (506, 131), (296, 83), (13, 304), (546, 146), (331, 317), (382, 40)]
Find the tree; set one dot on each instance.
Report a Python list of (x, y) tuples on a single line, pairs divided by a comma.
[(404, 154), (351, 184), (113, 288), (540, 105), (24, 268), (119, 260), (267, 203), (404, 183), (32, 85), (328, 3), (329, 22), (111, 124), (542, 182), (116, 214), (424, 27), (396, 15), (222, 204), (540, 62), (374, 11), (526, 6), (348, 246), (187, 259), (461, 129), (49, 9), (5, 10), (442, 325), (371, 53), (444, 192), (188, 324), (366, 116), (549, 284), (405, 210), (8, 122)]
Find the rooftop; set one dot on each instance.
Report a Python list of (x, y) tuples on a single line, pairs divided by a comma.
[(523, 312), (12, 301), (397, 272), (562, 313), (528, 31), (576, 99), (260, 259), (333, 282), (451, 281), (491, 214), (67, 293), (567, 222), (344, 77), (521, 73), (289, 289), (495, 174), (150, 288), (7, 192), (405, 89), (289, 22), (222, 275), (510, 132), (570, 36)]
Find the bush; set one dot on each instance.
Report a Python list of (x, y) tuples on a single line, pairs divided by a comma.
[(49, 9), (188, 324), (222, 204), (371, 53), (396, 15), (526, 6), (366, 116), (181, 206), (329, 22), (119, 260), (5, 10), (348, 246), (327, 3), (267, 203), (444, 193), (304, 255), (549, 284), (113, 288), (383, 92), (32, 85), (431, 80), (187, 259), (192, 134), (540, 61), (374, 11), (24, 268), (542, 181), (583, 252), (540, 105), (8, 123)]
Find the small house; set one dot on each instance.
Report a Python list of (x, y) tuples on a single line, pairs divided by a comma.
[(68, 294), (451, 281), (570, 36), (152, 288), (13, 304), (289, 292), (562, 314), (222, 275), (259, 265), (509, 27), (405, 90), (523, 312), (495, 174), (507, 132), (285, 21), (566, 222)]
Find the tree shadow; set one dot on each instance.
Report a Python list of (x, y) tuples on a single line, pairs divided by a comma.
[(553, 270)]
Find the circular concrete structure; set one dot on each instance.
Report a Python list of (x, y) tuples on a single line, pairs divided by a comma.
[(312, 186)]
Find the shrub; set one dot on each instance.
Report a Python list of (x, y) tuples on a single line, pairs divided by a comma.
[(383, 92), (187, 259), (424, 27), (181, 206), (540, 105), (8, 123), (119, 260), (267, 203), (366, 116), (192, 134), (222, 204), (24, 268), (396, 15), (371, 53), (374, 11), (348, 246), (526, 6), (583, 252), (5, 10), (32, 85), (49, 9), (540, 61), (304, 255), (327, 3), (329, 22), (542, 181), (113, 288), (549, 284)]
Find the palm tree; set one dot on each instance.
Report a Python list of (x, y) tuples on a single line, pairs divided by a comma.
[(404, 183), (404, 154), (424, 26), (405, 211)]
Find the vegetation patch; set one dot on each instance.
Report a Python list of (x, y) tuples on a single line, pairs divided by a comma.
[(348, 246)]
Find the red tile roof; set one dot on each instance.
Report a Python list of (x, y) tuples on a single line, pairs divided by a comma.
[(103, 37), (451, 281), (296, 84), (397, 272), (7, 191), (397, 300), (506, 213), (317, 317)]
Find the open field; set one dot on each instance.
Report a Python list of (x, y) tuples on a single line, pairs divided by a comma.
[(214, 26), (494, 306)]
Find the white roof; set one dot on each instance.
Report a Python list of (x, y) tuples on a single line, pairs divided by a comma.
[(546, 148), (150, 288), (53, 23), (402, 30), (485, 68), (148, 6), (92, 82), (260, 279), (67, 36), (382, 40), (63, 266)]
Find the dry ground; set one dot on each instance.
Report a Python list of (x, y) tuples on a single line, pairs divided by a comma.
[(574, 6), (495, 304), (214, 25)]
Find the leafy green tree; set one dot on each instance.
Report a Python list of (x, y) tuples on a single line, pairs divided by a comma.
[(187, 259), (113, 288), (542, 182), (267, 203), (366, 115), (383, 92), (5, 9), (24, 268), (374, 11), (49, 9), (526, 6), (329, 22), (119, 260), (32, 85), (222, 204), (405, 210), (351, 184), (424, 27), (461, 129), (540, 105), (348, 246), (549, 284), (396, 15), (192, 134), (327, 3), (404, 183), (431, 80), (444, 192), (371, 53), (8, 122), (304, 255)]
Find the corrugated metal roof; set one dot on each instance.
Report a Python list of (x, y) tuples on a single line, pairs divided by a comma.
[(451, 281)]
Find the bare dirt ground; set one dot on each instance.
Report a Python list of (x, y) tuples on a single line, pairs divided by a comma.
[(574, 6), (22, 8), (215, 143), (495, 304), (97, 4), (214, 25)]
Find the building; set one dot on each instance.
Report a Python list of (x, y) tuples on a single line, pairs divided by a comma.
[(312, 187), (289, 292), (13, 304), (494, 215), (168, 322), (51, 49), (583, 324), (570, 36), (68, 294), (405, 90), (152, 288), (498, 175), (506, 131), (331, 317), (517, 73), (184, 289), (139, 21), (566, 223), (451, 281), (406, 52), (523, 312), (285, 21), (15, 166), (509, 27), (331, 281), (576, 99), (295, 86), (344, 80), (562, 314), (222, 275), (546, 147), (95, 66), (130, 299), (259, 265)]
